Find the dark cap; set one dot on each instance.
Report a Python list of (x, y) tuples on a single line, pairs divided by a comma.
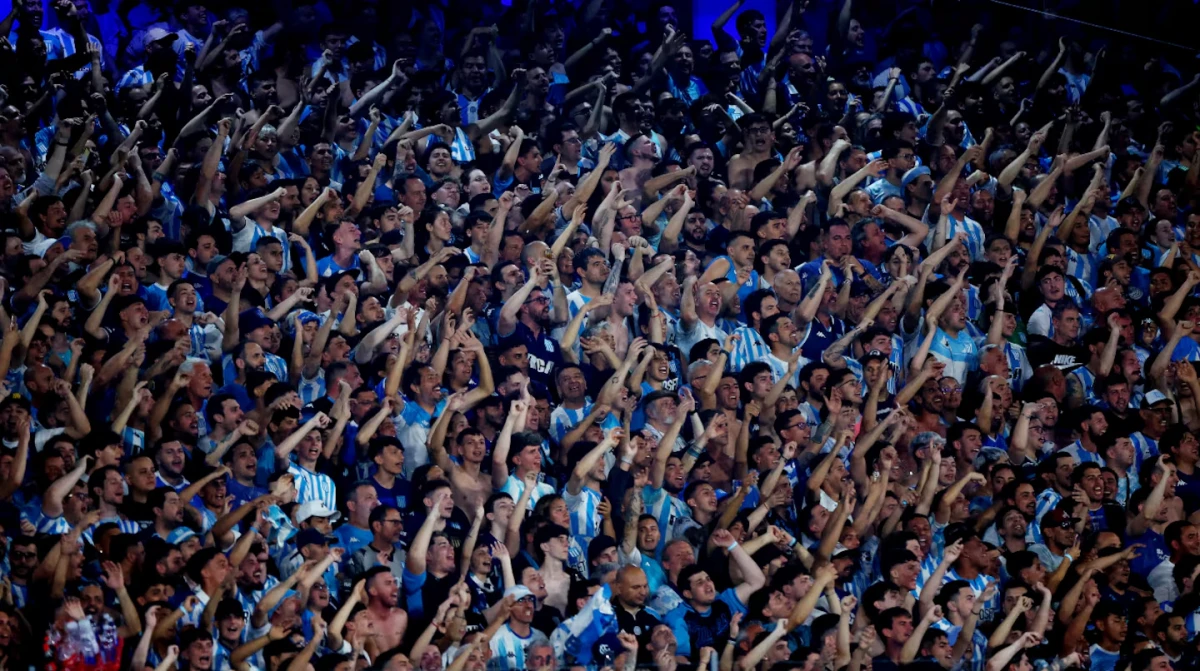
[(252, 320), (873, 355), (1058, 518), (658, 395), (331, 281), (14, 398), (216, 262), (310, 536), (598, 546)]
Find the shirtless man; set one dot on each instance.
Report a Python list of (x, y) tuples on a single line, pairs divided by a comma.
[(758, 146), (471, 486), (383, 596)]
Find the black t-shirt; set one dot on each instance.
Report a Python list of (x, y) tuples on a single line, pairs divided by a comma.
[(1067, 358), (640, 625), (710, 630)]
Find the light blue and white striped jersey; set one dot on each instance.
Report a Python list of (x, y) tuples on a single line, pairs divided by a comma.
[(250, 599), (515, 487), (585, 515), (126, 526), (508, 649), (311, 388), (1083, 456), (135, 78), (51, 525), (1046, 501), (978, 649), (1085, 379), (975, 235), (275, 365), (669, 511), (462, 150), (1145, 448), (245, 239), (575, 301), (751, 347), (312, 486), (1085, 267), (979, 584), (563, 419), (779, 368), (959, 353)]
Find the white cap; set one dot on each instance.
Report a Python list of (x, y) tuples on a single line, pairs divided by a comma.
[(315, 509)]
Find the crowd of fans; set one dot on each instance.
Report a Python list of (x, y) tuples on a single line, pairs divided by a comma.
[(542, 335)]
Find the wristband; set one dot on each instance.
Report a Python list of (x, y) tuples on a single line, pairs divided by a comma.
[(627, 460), (732, 547), (159, 176), (1068, 556), (793, 543)]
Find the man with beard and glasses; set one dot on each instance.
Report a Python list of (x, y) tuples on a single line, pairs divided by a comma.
[(526, 316)]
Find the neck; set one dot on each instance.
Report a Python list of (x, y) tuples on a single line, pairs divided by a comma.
[(531, 324), (343, 257), (384, 478), (519, 628), (381, 545), (1014, 544), (552, 567), (966, 571)]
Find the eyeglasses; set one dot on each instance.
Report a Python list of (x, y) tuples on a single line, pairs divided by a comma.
[(22, 556), (951, 390)]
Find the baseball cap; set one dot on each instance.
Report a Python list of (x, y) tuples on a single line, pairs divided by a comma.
[(310, 536), (876, 355), (315, 509), (216, 262), (40, 248), (15, 399), (331, 281), (180, 535), (519, 592), (912, 175), (155, 34), (1155, 396), (1058, 519), (252, 320)]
